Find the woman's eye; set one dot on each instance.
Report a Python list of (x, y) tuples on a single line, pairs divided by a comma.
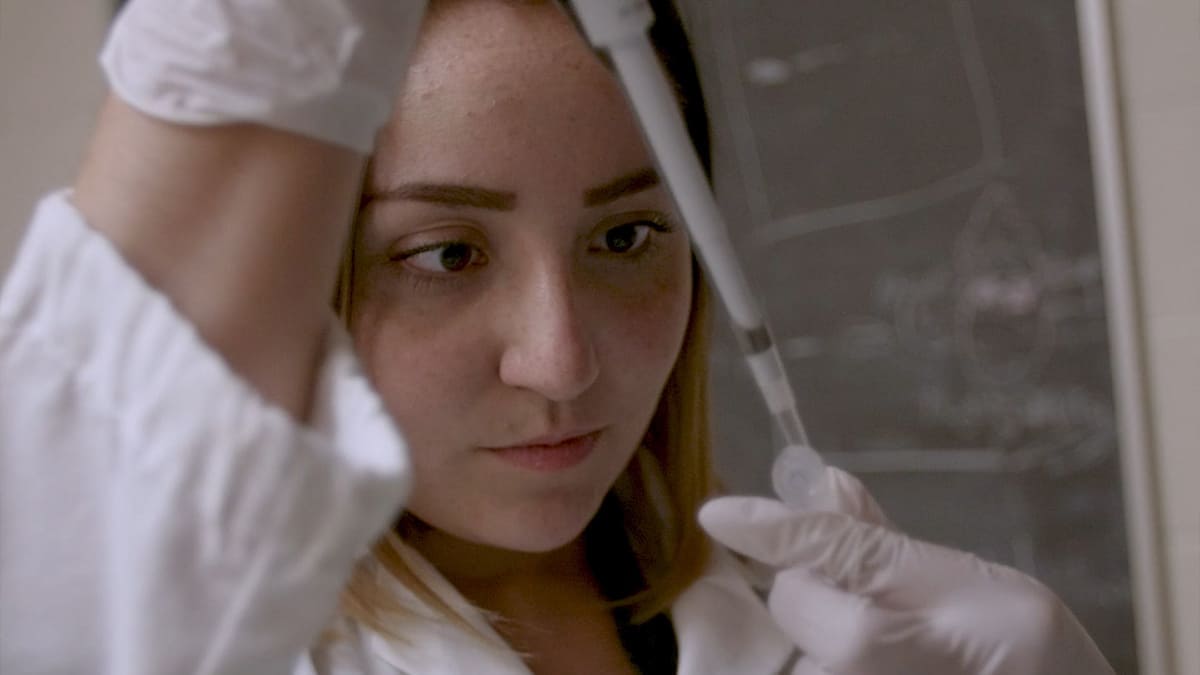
[(627, 237), (443, 258)]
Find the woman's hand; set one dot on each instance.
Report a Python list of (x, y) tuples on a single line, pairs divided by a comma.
[(328, 70), (861, 599)]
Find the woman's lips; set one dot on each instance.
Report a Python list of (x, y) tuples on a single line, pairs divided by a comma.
[(554, 456)]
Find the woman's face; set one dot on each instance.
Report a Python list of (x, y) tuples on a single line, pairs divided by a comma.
[(522, 283)]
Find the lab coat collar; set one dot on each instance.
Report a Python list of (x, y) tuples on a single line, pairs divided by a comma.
[(432, 644), (721, 626)]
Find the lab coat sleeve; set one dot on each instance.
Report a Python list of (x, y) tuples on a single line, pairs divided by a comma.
[(156, 514)]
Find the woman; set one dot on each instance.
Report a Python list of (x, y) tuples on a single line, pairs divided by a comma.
[(194, 466), (521, 291)]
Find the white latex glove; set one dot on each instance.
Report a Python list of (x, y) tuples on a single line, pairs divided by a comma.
[(861, 599), (328, 69)]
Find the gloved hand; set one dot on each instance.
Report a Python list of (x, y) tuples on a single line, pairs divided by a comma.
[(328, 69), (859, 598)]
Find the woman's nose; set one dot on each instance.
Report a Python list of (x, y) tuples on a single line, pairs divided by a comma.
[(548, 347)]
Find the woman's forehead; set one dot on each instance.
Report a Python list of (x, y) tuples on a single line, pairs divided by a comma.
[(498, 87), (476, 55), (459, 32)]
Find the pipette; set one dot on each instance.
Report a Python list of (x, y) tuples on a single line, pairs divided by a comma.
[(620, 28)]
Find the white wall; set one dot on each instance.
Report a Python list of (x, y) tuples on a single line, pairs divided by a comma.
[(1158, 57), (50, 88)]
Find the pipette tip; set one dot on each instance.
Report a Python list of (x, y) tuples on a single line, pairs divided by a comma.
[(799, 478)]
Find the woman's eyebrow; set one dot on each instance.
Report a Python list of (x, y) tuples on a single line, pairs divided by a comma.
[(635, 181), (447, 194)]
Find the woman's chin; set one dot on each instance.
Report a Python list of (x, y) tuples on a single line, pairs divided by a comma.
[(532, 528), (537, 535), (540, 542)]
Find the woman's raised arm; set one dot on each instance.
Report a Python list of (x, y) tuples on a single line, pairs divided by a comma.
[(191, 460), (226, 166), (241, 226)]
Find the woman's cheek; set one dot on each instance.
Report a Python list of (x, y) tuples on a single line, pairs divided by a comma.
[(653, 313), (413, 364)]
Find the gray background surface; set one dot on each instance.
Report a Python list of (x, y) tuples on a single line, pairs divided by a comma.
[(910, 190)]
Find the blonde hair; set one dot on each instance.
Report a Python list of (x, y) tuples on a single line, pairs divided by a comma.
[(667, 542)]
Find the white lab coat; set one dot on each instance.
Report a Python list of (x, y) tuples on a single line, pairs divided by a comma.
[(157, 516)]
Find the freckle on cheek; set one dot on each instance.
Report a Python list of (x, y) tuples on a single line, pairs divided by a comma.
[(657, 323)]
